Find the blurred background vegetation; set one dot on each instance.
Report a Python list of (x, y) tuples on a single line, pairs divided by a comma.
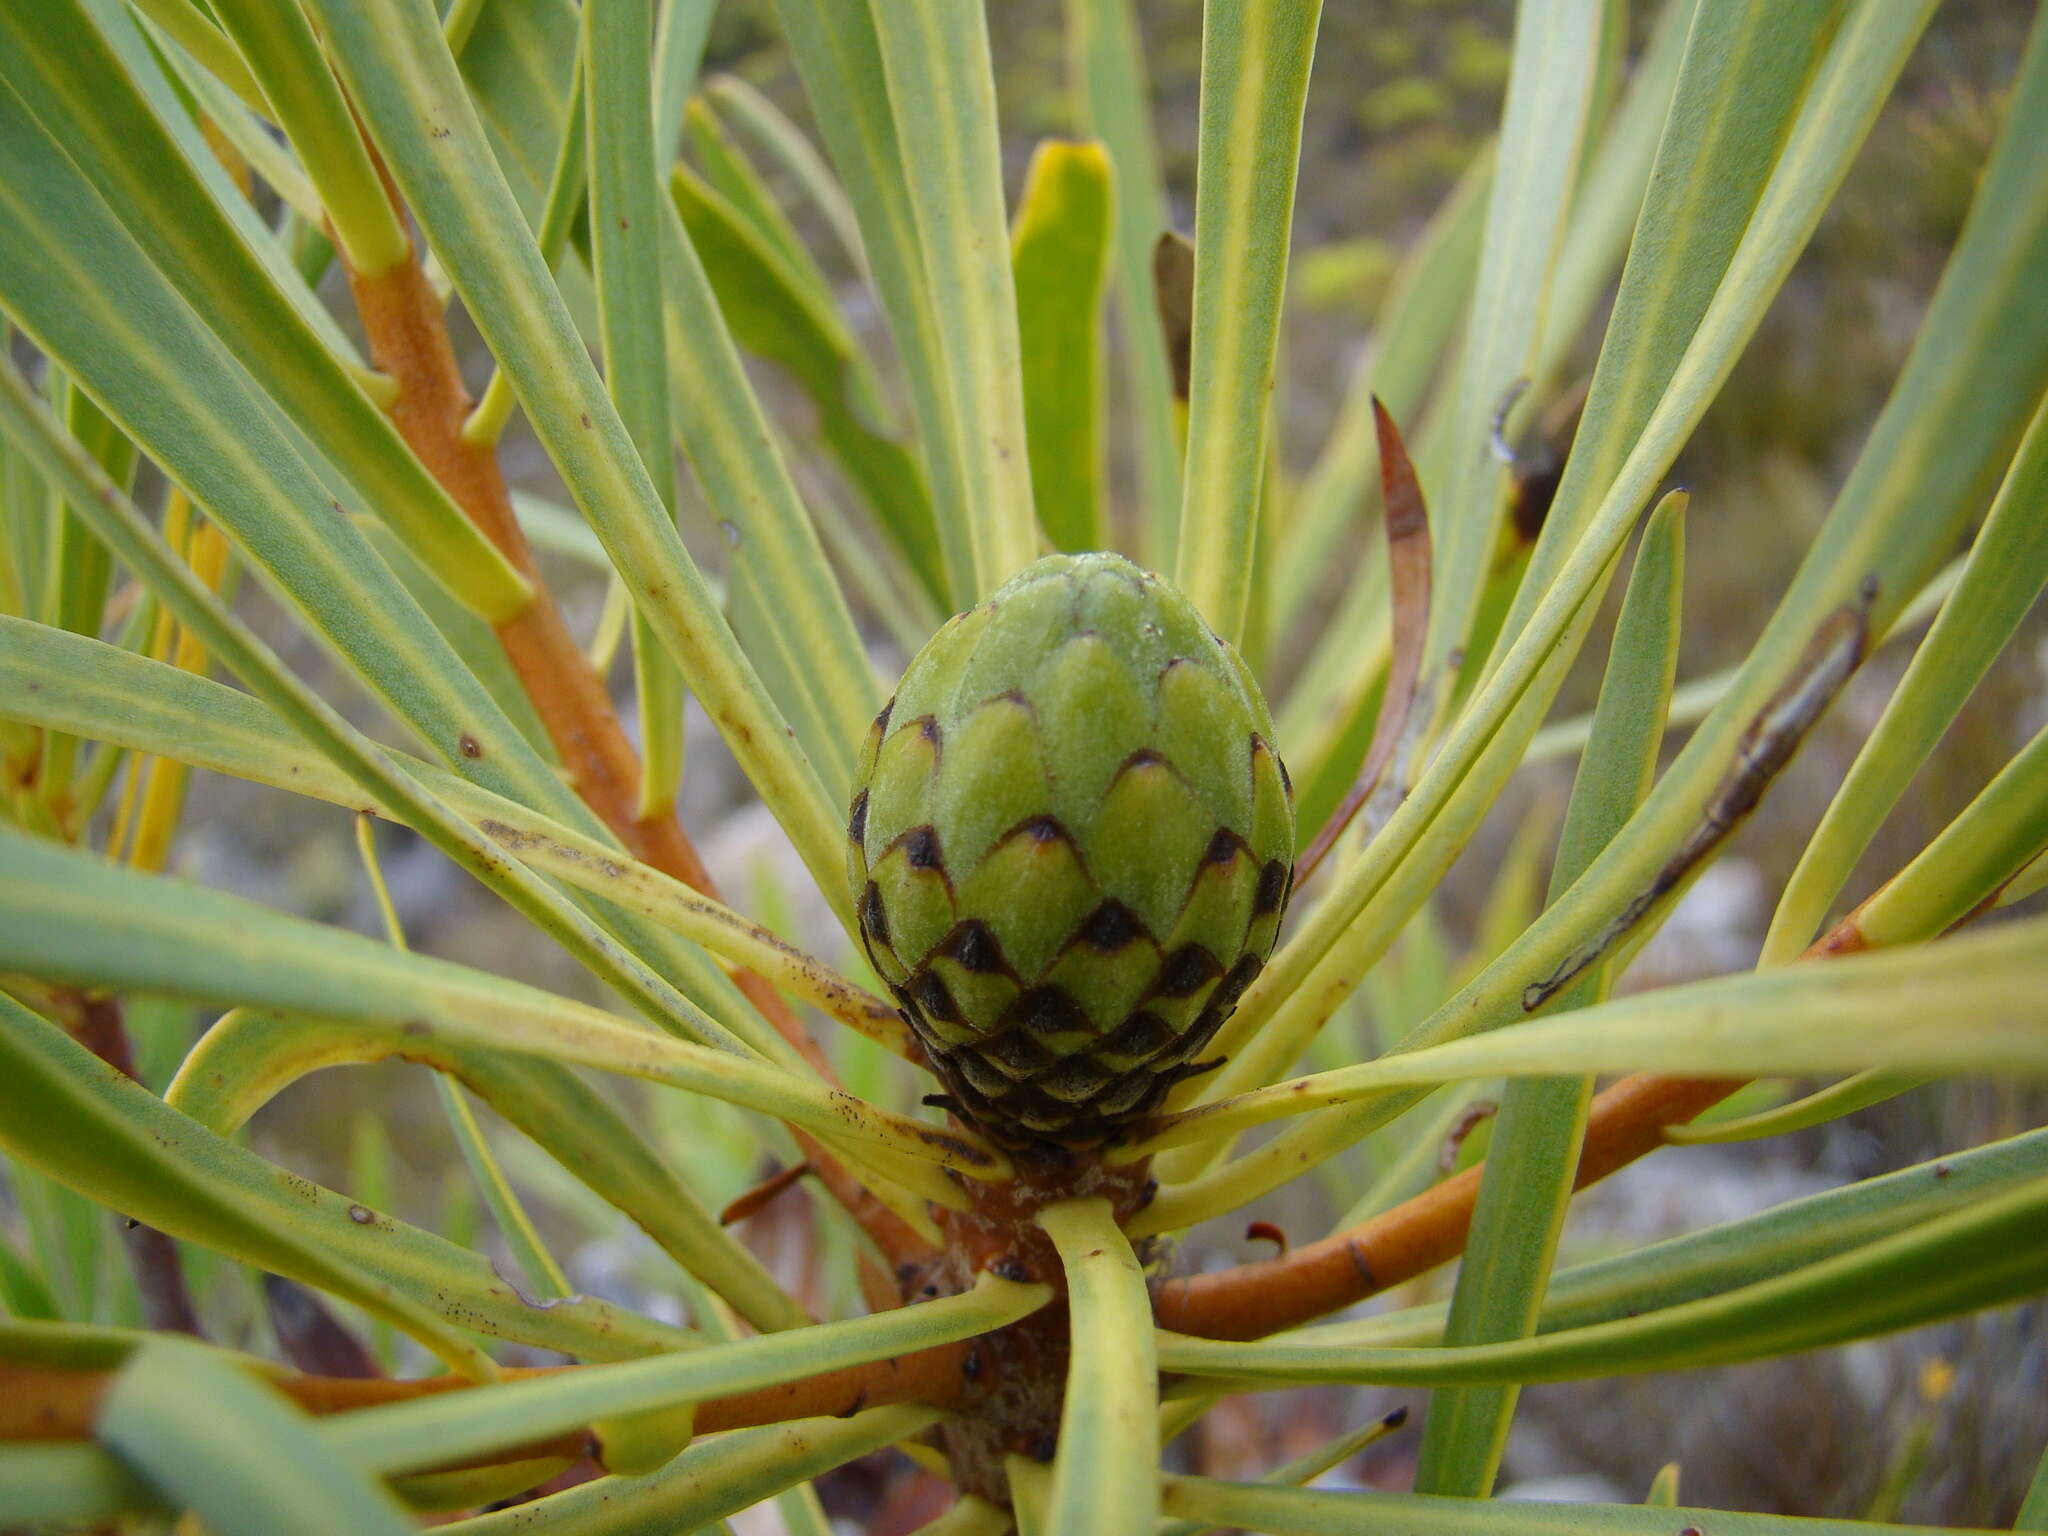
[(1941, 1426)]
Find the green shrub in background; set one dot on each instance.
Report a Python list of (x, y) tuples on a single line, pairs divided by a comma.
[(185, 408)]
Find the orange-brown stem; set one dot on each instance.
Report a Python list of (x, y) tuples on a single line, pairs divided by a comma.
[(408, 335), (50, 1403), (1253, 1300), (1249, 1302)]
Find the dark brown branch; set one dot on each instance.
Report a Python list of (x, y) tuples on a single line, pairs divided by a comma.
[(95, 1022), (311, 1336)]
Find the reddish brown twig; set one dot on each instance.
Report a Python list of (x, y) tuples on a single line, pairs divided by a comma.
[(47, 1403), (1625, 1122), (754, 1200), (1414, 1237), (408, 336)]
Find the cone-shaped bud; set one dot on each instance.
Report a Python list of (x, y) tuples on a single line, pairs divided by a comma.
[(1070, 846)]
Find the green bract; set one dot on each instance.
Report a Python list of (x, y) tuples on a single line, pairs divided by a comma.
[(1071, 844)]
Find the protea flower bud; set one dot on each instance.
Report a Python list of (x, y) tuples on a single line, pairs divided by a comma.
[(1071, 845)]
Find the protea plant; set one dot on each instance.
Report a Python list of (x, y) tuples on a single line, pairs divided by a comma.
[(255, 521), (1070, 848)]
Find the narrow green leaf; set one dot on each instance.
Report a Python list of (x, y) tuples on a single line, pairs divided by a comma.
[(210, 1439), (786, 606), (81, 571), (1418, 1164), (1609, 197), (935, 56), (544, 1277), (1329, 716), (1059, 254), (1030, 1485), (568, 186), (1909, 490), (522, 65), (1411, 333), (2006, 570), (279, 46), (423, 1431), (1534, 1153), (773, 315), (409, 93), (1105, 1479), (194, 31), (1323, 1136), (103, 692), (247, 1058), (69, 1485), (2033, 1514), (679, 38), (172, 389), (202, 612), (559, 530), (1692, 701), (1973, 1003), (1970, 1259), (1830, 1103), (1113, 103), (714, 1478), (625, 236), (24, 1290), (839, 57), (1545, 125), (1993, 841), (271, 161), (1318, 1512), (475, 1487), (1306, 1469), (1255, 62), (1739, 91), (785, 601), (68, 74), (798, 1505), (474, 642), (725, 166), (1663, 1491), (99, 925), (75, 1346), (111, 1136), (793, 153)]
